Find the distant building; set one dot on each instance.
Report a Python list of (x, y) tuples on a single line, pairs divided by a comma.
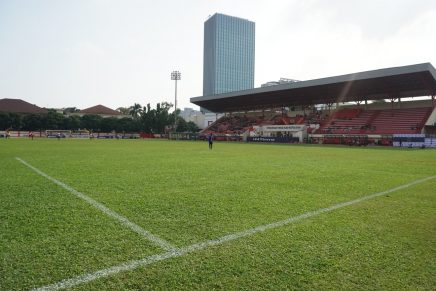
[(19, 106), (189, 114), (229, 46), (101, 110), (279, 82)]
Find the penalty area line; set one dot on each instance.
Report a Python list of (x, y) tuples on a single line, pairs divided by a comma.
[(131, 265), (123, 220)]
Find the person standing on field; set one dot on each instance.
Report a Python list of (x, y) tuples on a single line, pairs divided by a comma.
[(210, 139)]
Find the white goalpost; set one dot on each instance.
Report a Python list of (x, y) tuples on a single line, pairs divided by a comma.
[(53, 133)]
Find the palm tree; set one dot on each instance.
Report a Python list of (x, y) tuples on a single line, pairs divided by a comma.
[(135, 110)]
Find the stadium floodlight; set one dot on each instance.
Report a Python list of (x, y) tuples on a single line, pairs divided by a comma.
[(175, 75)]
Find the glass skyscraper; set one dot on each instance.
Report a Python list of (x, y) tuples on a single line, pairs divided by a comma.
[(228, 54)]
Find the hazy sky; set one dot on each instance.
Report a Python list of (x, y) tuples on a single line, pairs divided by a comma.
[(58, 53)]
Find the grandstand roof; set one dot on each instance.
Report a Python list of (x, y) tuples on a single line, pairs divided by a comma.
[(19, 106), (407, 81), (100, 109)]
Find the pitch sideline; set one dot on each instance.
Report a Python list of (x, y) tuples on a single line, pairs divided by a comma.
[(68, 283), (126, 222)]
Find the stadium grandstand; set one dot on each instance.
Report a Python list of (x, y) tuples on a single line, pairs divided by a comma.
[(371, 107)]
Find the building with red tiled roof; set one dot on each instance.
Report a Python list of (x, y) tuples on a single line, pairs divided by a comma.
[(101, 110), (19, 106)]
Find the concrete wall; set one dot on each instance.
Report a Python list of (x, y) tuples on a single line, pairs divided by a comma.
[(210, 118), (432, 119)]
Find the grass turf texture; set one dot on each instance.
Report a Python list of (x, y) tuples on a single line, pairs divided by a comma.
[(185, 194)]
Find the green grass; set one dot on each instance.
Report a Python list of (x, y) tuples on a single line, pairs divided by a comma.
[(185, 194)]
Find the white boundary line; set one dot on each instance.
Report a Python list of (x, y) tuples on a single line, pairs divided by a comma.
[(68, 283), (126, 222)]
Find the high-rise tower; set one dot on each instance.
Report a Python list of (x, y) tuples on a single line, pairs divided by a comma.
[(228, 63)]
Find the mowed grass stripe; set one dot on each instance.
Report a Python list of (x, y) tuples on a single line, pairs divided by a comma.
[(231, 237), (380, 244), (47, 234), (125, 221), (187, 194)]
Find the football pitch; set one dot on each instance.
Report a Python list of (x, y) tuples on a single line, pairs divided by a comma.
[(150, 214)]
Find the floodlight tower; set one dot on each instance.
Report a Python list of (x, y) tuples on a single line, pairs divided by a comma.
[(175, 75)]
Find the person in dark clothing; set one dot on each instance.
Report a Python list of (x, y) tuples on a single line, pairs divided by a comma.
[(210, 139)]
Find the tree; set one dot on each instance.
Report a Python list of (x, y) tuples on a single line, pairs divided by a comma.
[(147, 119), (181, 125), (15, 121), (91, 122), (108, 124), (162, 118), (192, 127), (135, 110), (72, 122), (4, 121), (156, 120), (32, 121), (123, 110), (127, 125), (53, 120), (70, 110)]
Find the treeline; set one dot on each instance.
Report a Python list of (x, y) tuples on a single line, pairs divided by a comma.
[(144, 119)]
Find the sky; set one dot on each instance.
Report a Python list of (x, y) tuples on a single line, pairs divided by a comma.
[(80, 53)]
